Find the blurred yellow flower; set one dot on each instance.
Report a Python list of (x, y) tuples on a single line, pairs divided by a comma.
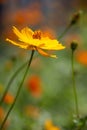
[(49, 126), (35, 40)]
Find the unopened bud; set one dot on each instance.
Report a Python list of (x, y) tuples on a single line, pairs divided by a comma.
[(75, 17), (74, 45)]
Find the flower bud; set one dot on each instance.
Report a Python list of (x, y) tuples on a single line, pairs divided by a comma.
[(75, 18), (74, 45)]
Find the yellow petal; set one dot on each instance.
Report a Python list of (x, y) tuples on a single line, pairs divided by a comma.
[(25, 35), (45, 54), (20, 44), (27, 32), (16, 31), (52, 45)]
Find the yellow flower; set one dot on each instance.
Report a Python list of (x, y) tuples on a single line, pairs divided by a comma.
[(35, 40), (50, 126)]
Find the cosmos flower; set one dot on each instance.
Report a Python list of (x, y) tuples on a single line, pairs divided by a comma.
[(8, 98), (50, 126), (35, 40), (34, 85), (81, 57)]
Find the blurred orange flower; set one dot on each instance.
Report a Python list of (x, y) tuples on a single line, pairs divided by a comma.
[(34, 85), (25, 17), (34, 40), (8, 98), (49, 126), (2, 1), (2, 114), (31, 111), (81, 57), (31, 14)]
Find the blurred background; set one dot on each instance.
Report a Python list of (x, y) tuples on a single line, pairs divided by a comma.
[(47, 93), (48, 15)]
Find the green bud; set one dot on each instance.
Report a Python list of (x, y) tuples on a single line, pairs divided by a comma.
[(74, 45)]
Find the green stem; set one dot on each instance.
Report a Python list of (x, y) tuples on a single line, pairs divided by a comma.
[(74, 86), (11, 80), (18, 92), (65, 31)]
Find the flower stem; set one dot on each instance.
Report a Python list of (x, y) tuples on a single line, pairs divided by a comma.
[(74, 85), (11, 80), (18, 92), (65, 31)]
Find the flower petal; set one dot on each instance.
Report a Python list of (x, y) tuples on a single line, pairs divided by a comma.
[(45, 54), (27, 32), (51, 45), (25, 35), (20, 44), (16, 31)]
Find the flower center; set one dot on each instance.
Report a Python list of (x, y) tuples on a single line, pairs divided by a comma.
[(37, 35)]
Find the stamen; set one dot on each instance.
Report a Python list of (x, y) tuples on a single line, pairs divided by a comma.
[(37, 35)]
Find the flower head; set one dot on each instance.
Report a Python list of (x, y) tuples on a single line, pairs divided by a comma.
[(75, 18), (35, 40), (34, 85), (81, 57), (50, 126), (73, 45), (8, 98)]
